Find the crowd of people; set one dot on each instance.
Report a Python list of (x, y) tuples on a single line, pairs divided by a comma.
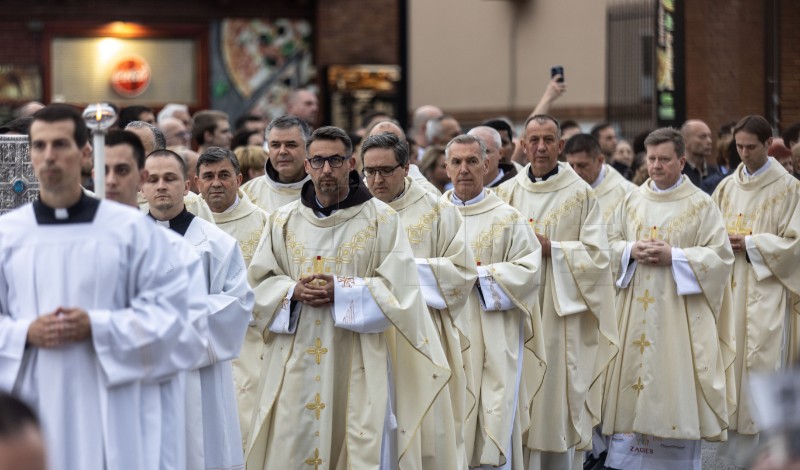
[(285, 296)]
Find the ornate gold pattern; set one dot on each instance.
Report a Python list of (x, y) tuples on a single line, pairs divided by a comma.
[(642, 343), (646, 300), (249, 246), (424, 224), (315, 460), (748, 221), (317, 350), (552, 217), (638, 386), (485, 238), (316, 406)]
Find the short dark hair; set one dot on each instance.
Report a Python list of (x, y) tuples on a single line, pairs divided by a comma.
[(664, 135), (240, 123), (754, 124), (241, 138), (218, 154), (387, 141), (164, 153), (119, 137), (792, 134), (287, 121), (569, 124), (15, 415), (17, 126), (543, 119), (582, 143), (130, 114), (331, 133), (369, 114), (205, 120), (159, 141), (597, 128), (500, 125), (63, 112)]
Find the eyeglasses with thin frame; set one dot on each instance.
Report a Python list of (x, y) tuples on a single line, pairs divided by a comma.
[(385, 172), (335, 161)]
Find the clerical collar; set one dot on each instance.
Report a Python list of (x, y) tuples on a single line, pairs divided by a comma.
[(600, 177), (359, 194), (273, 175), (401, 192), (180, 223), (760, 170), (500, 174), (659, 190), (81, 212), (233, 206), (457, 201), (537, 179)]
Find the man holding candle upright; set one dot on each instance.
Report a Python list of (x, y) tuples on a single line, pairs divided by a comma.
[(352, 359), (669, 254), (505, 363), (575, 298), (760, 205)]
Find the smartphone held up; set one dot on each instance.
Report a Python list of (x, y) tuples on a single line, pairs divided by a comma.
[(557, 70)]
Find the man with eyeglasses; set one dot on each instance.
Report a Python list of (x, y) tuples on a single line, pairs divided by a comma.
[(352, 362), (502, 313), (175, 131), (576, 297), (445, 266)]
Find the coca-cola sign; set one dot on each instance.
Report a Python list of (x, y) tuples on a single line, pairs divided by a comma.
[(131, 76)]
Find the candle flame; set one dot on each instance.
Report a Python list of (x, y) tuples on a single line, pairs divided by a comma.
[(99, 114)]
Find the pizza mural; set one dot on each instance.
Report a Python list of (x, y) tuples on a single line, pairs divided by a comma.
[(256, 63)]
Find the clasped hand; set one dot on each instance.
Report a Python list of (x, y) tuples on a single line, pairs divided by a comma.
[(315, 290), (654, 252), (59, 328)]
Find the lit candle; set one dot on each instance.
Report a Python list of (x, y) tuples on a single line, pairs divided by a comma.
[(99, 117), (653, 232)]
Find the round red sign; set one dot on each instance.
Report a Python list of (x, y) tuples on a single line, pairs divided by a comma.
[(131, 76)]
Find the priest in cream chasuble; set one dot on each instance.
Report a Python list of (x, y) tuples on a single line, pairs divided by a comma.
[(576, 297), (760, 205), (353, 361), (505, 363), (285, 175), (218, 178), (447, 273), (670, 251)]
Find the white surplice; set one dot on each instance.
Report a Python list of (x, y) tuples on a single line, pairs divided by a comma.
[(98, 399), (230, 303)]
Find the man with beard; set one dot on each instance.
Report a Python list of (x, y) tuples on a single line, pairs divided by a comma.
[(353, 361)]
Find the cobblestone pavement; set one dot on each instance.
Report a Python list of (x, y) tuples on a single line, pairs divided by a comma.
[(710, 461)]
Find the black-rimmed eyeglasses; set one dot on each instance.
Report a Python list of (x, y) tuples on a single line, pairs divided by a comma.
[(385, 172), (335, 161)]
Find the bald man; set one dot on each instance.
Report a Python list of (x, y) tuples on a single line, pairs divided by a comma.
[(699, 148), (175, 132), (422, 115), (303, 104), (498, 172)]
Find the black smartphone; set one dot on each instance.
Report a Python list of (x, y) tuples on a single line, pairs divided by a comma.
[(557, 70)]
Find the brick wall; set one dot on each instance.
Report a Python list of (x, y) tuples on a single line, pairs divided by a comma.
[(789, 62), (357, 32), (724, 60)]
